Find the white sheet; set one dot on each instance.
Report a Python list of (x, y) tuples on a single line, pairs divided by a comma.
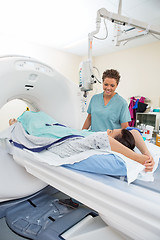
[(135, 170)]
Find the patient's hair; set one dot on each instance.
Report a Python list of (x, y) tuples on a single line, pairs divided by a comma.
[(111, 73), (126, 138)]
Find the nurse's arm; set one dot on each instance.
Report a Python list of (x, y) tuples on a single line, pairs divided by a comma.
[(87, 122), (124, 125)]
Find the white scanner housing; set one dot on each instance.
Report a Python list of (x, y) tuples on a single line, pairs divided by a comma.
[(43, 89)]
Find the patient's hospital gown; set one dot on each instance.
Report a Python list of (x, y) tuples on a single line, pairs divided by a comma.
[(97, 140)]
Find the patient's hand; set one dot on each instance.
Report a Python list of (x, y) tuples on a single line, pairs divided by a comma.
[(12, 121), (149, 164), (147, 161)]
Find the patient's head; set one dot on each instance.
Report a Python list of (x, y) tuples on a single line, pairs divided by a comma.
[(126, 138), (123, 136)]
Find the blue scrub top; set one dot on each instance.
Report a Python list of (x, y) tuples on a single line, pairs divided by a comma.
[(110, 116)]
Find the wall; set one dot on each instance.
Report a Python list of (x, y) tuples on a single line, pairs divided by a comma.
[(65, 63), (140, 71)]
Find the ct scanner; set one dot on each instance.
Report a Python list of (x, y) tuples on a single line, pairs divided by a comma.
[(42, 88), (133, 211)]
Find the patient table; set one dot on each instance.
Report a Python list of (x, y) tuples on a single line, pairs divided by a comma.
[(132, 210)]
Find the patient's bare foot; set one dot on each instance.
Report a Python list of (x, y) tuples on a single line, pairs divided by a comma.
[(12, 121)]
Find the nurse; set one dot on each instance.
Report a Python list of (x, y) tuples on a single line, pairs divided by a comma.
[(108, 110)]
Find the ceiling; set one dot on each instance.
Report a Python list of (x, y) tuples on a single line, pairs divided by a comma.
[(65, 24)]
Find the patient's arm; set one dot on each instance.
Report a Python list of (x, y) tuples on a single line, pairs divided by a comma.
[(12, 121), (141, 158), (140, 144)]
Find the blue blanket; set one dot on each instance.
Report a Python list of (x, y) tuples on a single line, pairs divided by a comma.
[(42, 125)]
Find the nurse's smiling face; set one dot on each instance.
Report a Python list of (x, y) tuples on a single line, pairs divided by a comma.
[(109, 87)]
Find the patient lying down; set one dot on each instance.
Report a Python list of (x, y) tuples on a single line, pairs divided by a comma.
[(76, 141)]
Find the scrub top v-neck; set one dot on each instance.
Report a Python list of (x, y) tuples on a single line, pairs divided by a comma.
[(109, 116)]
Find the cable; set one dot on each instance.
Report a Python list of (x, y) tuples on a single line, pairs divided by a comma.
[(155, 36), (132, 38), (140, 36), (98, 75), (106, 32)]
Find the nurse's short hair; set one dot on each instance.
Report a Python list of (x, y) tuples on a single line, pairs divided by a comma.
[(126, 138), (111, 73)]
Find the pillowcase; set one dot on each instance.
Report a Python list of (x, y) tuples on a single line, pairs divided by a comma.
[(109, 164), (115, 164)]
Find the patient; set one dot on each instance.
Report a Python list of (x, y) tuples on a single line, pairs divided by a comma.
[(117, 140)]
